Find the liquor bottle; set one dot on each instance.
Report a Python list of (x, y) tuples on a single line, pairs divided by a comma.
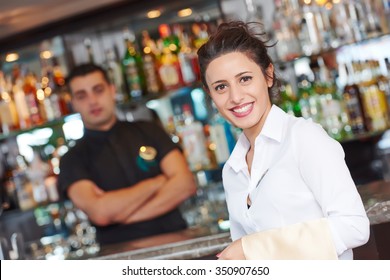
[(149, 51), (382, 81), (29, 88), (88, 46), (371, 19), (330, 103), (44, 103), (36, 172), (115, 75), (200, 30), (310, 33), (340, 21), (187, 57), (222, 136), (193, 140), (18, 186), (169, 67), (9, 200), (288, 101), (172, 131), (21, 103), (353, 102), (211, 147), (356, 19), (308, 100), (8, 113), (58, 74), (374, 100), (133, 69), (287, 46)]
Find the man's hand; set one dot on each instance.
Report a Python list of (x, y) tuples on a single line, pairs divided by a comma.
[(233, 252)]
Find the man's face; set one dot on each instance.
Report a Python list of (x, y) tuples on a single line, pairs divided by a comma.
[(94, 98)]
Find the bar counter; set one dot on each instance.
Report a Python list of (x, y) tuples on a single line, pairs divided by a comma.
[(192, 243), (206, 242)]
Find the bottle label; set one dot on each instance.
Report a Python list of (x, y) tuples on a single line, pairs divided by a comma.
[(169, 75)]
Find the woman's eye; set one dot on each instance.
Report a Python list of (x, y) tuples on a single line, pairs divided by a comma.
[(220, 87), (245, 78)]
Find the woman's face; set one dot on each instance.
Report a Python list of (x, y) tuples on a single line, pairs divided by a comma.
[(240, 90)]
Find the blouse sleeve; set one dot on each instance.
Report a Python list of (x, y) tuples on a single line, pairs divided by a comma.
[(322, 166)]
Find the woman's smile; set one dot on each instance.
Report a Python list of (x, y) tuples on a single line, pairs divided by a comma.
[(242, 110)]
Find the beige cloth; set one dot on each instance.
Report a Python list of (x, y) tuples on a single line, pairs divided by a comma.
[(310, 240)]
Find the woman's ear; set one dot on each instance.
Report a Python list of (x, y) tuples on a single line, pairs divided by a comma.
[(270, 75)]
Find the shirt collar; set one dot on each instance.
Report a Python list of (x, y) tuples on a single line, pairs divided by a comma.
[(101, 133), (272, 129), (274, 124)]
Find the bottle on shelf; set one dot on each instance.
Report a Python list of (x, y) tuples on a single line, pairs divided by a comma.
[(88, 46), (29, 88), (287, 46), (37, 172), (333, 117), (9, 199), (221, 135), (150, 51), (133, 68), (169, 66), (374, 100), (187, 57), (353, 101), (288, 101), (8, 113), (23, 187), (308, 100), (115, 74), (193, 140), (383, 82), (21, 104)]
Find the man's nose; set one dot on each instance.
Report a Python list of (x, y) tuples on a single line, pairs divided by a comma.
[(92, 99)]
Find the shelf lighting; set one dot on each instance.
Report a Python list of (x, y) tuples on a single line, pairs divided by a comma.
[(46, 54), (11, 57), (184, 12), (321, 2), (153, 14)]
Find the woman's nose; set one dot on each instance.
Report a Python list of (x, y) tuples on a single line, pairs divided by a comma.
[(236, 95)]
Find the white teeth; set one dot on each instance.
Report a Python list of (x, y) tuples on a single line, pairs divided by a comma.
[(242, 109)]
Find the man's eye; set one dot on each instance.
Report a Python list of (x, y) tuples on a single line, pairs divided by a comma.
[(80, 96), (99, 89)]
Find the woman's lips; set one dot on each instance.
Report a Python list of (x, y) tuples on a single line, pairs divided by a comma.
[(242, 110)]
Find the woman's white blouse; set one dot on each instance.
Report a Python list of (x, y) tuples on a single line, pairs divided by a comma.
[(298, 174)]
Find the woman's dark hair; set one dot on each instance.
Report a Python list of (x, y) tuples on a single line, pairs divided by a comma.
[(85, 69), (236, 36)]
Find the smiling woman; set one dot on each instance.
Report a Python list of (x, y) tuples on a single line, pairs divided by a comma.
[(289, 192)]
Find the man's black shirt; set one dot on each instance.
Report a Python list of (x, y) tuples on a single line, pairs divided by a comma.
[(111, 160)]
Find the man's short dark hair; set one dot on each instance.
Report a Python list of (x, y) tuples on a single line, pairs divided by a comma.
[(85, 69)]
